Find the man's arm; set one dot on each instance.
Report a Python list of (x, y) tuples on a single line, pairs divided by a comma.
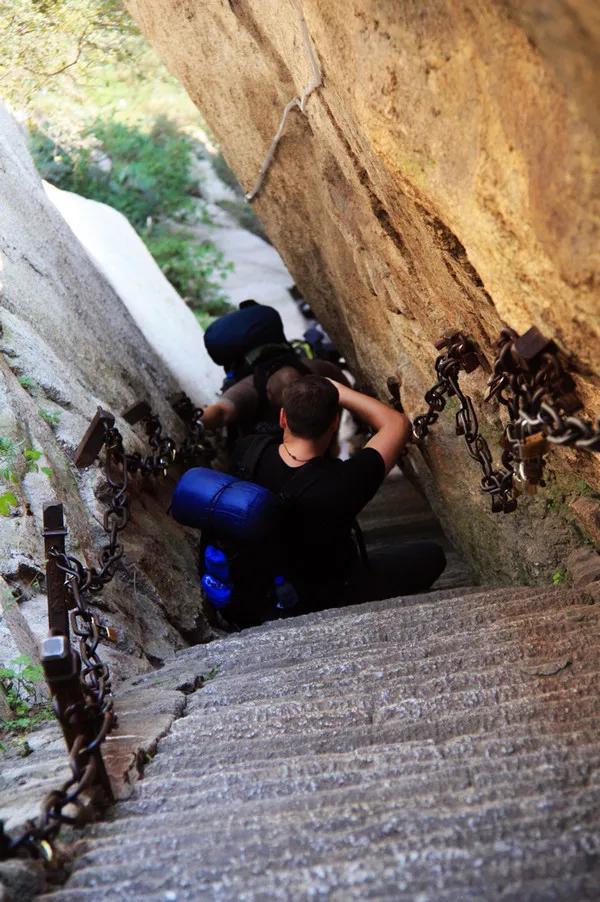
[(237, 404), (219, 414), (392, 429)]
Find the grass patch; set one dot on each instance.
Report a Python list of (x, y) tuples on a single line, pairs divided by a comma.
[(51, 417), (20, 685)]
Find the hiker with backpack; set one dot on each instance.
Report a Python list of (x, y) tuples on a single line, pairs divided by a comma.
[(259, 362), (278, 539)]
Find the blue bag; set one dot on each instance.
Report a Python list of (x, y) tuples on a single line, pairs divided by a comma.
[(229, 338), (224, 506)]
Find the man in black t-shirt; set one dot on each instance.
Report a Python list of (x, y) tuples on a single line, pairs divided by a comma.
[(323, 560)]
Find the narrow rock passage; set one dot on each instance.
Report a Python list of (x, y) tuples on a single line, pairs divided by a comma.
[(440, 747)]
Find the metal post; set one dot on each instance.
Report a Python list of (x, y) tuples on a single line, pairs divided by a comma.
[(54, 540), (91, 444), (77, 718), (139, 411)]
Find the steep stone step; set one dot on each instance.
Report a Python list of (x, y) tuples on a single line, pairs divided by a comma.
[(196, 788), (248, 855), (431, 676), (363, 763), (409, 752), (440, 603), (229, 648), (365, 867), (547, 716), (279, 647)]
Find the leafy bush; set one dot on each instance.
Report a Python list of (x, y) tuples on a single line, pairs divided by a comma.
[(146, 176), (15, 462), (142, 174), (19, 683)]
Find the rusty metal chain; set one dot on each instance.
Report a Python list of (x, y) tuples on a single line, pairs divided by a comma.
[(91, 714), (38, 836), (196, 445), (88, 716), (460, 354), (530, 379)]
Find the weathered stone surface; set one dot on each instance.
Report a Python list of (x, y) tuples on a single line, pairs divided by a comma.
[(21, 881), (67, 345), (444, 748), (444, 176)]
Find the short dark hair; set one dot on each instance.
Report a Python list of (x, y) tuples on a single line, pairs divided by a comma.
[(311, 404)]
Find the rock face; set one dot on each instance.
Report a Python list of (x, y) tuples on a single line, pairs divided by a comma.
[(167, 323), (68, 345), (442, 177)]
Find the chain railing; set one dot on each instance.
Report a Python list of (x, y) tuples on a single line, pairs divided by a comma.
[(78, 680), (530, 379)]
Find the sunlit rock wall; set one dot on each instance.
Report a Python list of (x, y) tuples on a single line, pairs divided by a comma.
[(444, 176), (67, 345)]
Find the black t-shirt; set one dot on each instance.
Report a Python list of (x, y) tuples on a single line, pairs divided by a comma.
[(319, 522)]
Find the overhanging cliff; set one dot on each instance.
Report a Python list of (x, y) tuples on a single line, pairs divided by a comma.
[(443, 176)]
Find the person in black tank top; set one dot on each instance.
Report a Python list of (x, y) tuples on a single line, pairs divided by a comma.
[(324, 560)]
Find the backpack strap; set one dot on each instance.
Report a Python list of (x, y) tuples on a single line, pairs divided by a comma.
[(246, 468)]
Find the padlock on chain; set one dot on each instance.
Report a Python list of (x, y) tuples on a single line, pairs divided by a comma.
[(530, 455)]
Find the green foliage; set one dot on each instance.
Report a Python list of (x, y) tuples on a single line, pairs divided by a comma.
[(8, 460), (8, 500), (44, 39), (49, 416), (15, 462), (559, 577), (142, 174), (26, 382), (210, 674), (94, 92), (19, 684), (145, 174)]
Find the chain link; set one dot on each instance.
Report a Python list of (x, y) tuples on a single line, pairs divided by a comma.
[(530, 379), (82, 582), (459, 355), (538, 392)]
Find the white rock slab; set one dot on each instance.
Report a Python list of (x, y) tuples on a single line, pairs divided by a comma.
[(167, 323)]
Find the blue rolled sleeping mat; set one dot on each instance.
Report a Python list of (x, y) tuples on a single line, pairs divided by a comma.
[(224, 506)]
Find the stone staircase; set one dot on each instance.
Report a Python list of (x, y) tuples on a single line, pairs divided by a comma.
[(437, 747)]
